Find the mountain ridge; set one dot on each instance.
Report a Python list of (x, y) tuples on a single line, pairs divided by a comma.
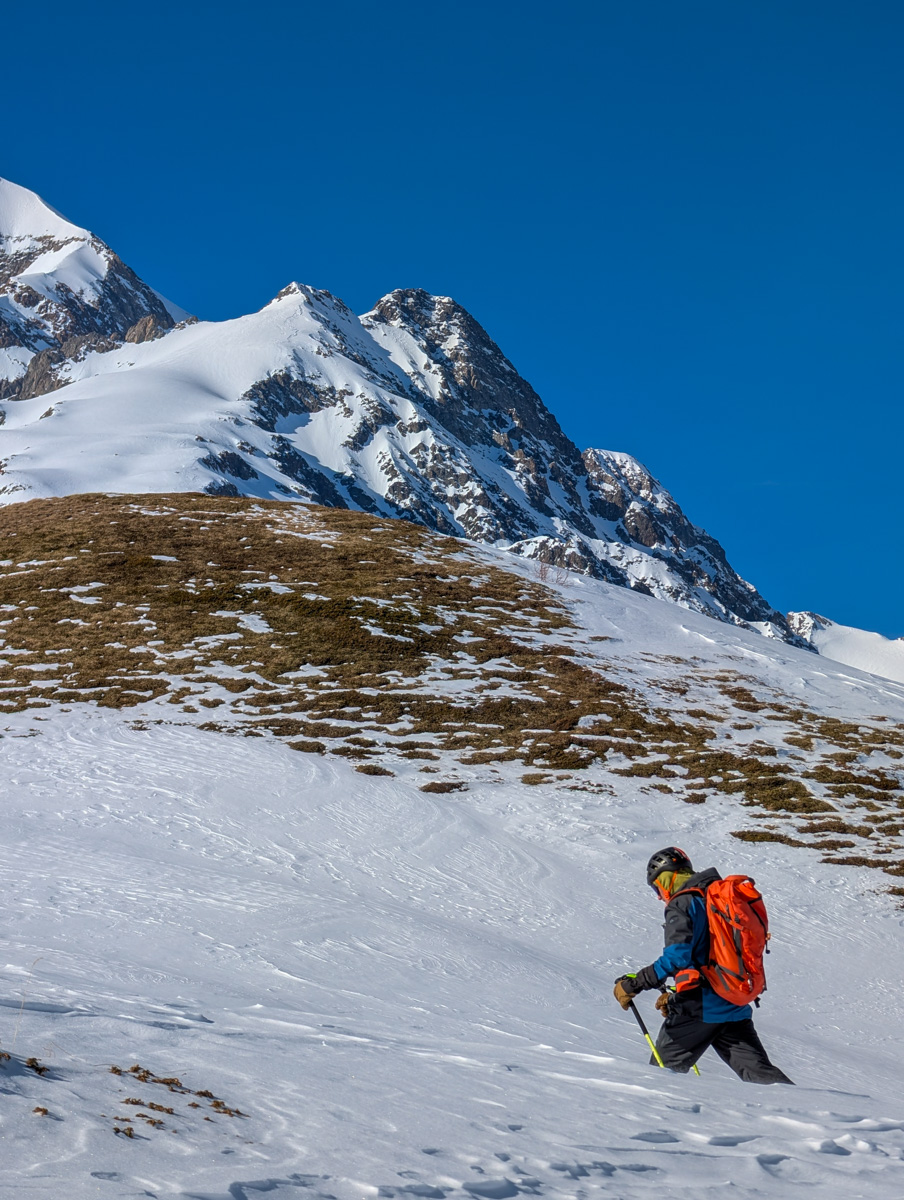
[(411, 411)]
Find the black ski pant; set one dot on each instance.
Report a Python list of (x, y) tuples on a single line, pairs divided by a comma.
[(684, 1037)]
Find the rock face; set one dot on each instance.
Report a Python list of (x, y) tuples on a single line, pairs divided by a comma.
[(411, 411), (598, 512), (808, 625), (62, 292)]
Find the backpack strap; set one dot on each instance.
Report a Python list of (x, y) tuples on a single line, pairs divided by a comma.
[(689, 891)]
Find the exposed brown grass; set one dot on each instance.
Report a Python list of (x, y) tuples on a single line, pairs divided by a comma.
[(377, 640), (301, 623)]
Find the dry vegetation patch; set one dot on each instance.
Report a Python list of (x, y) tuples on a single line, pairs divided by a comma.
[(376, 640), (317, 625), (839, 775)]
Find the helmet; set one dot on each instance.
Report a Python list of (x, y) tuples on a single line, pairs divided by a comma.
[(669, 859)]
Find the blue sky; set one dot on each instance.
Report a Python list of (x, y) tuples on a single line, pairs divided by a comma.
[(681, 222)]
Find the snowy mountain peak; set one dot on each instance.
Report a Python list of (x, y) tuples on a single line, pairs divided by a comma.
[(291, 289), (323, 306), (315, 297), (63, 292), (25, 216), (420, 312)]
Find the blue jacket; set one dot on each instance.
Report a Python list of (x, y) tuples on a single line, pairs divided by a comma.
[(687, 946)]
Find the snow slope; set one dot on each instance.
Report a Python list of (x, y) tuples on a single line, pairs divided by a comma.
[(408, 994), (856, 647)]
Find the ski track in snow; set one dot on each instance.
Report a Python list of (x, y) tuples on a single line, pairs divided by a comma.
[(408, 994)]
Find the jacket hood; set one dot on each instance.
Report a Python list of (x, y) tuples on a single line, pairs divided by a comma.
[(702, 879)]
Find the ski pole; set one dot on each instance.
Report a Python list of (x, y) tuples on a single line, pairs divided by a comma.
[(646, 1033)]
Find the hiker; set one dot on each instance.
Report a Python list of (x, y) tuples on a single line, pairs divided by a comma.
[(696, 1016)]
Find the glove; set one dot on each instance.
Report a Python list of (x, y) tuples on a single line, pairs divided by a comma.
[(625, 990), (662, 1004), (627, 986)]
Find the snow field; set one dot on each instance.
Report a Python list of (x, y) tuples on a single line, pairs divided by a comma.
[(408, 994), (854, 647)]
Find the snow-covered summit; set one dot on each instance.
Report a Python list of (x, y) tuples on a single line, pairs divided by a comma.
[(62, 290), (409, 411), (25, 217)]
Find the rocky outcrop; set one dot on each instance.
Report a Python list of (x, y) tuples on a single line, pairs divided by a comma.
[(47, 370), (145, 329), (808, 624)]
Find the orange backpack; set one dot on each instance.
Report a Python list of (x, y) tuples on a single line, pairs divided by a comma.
[(738, 937)]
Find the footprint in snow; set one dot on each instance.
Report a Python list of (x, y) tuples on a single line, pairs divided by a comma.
[(492, 1189), (830, 1147)]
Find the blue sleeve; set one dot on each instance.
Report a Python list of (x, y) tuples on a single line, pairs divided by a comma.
[(673, 959)]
